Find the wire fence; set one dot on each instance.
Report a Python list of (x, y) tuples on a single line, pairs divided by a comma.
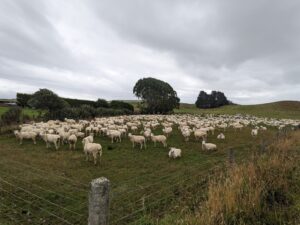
[(50, 198)]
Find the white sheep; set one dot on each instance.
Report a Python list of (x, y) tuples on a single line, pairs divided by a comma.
[(186, 134), (221, 136), (174, 153), (25, 135), (254, 132), (89, 139), (137, 139), (51, 138), (200, 134), (167, 131), (92, 149), (159, 138), (72, 141), (114, 134), (208, 146)]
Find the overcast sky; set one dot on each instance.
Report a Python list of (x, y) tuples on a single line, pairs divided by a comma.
[(250, 50)]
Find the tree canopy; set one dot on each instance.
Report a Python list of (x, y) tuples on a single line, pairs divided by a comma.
[(157, 96), (213, 100), (102, 103), (46, 99)]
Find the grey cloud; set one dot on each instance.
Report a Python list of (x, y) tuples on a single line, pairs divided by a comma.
[(89, 49)]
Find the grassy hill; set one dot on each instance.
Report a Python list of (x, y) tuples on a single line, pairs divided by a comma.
[(282, 109)]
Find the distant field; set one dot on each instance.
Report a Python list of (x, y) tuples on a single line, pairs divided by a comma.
[(283, 109)]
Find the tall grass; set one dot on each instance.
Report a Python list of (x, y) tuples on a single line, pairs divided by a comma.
[(255, 192)]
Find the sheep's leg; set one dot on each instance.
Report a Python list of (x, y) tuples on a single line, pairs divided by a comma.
[(145, 144), (95, 157), (34, 142), (21, 141), (86, 156)]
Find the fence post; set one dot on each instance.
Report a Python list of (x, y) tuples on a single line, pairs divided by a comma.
[(99, 202)]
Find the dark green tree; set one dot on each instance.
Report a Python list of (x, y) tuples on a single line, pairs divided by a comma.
[(213, 100), (22, 99), (101, 103), (157, 96), (47, 100)]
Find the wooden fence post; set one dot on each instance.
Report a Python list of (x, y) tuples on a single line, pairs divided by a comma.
[(99, 202)]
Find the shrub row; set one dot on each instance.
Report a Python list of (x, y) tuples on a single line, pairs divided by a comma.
[(85, 112), (22, 101)]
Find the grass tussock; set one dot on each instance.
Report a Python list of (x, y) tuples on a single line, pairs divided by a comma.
[(255, 192)]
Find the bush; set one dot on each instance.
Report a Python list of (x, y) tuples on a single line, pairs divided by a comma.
[(121, 105), (102, 103), (78, 102), (22, 99), (12, 116)]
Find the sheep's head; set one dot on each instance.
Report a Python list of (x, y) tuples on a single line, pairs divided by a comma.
[(16, 132), (129, 135)]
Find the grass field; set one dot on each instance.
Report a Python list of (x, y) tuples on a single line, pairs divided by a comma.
[(39, 184), (283, 109), (26, 111)]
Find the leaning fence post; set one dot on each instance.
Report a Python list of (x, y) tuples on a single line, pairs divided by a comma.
[(99, 202)]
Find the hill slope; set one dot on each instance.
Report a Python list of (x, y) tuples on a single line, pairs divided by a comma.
[(282, 109)]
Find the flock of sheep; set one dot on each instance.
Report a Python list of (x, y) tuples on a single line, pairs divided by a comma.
[(139, 129)]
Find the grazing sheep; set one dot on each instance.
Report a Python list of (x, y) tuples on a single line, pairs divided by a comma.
[(137, 139), (51, 138), (200, 134), (25, 135), (186, 134), (159, 138), (114, 134), (92, 149), (221, 136), (208, 146), (254, 132), (167, 131), (147, 134), (174, 153), (72, 141)]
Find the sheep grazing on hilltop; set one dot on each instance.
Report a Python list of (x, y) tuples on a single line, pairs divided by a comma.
[(72, 141), (159, 138), (254, 132), (51, 138), (221, 136), (25, 135), (174, 153), (208, 146), (141, 140), (92, 149)]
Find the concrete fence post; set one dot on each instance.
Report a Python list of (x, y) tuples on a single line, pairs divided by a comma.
[(99, 202)]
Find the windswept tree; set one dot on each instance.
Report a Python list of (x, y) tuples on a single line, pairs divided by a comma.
[(157, 96), (102, 103), (47, 100), (213, 100)]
